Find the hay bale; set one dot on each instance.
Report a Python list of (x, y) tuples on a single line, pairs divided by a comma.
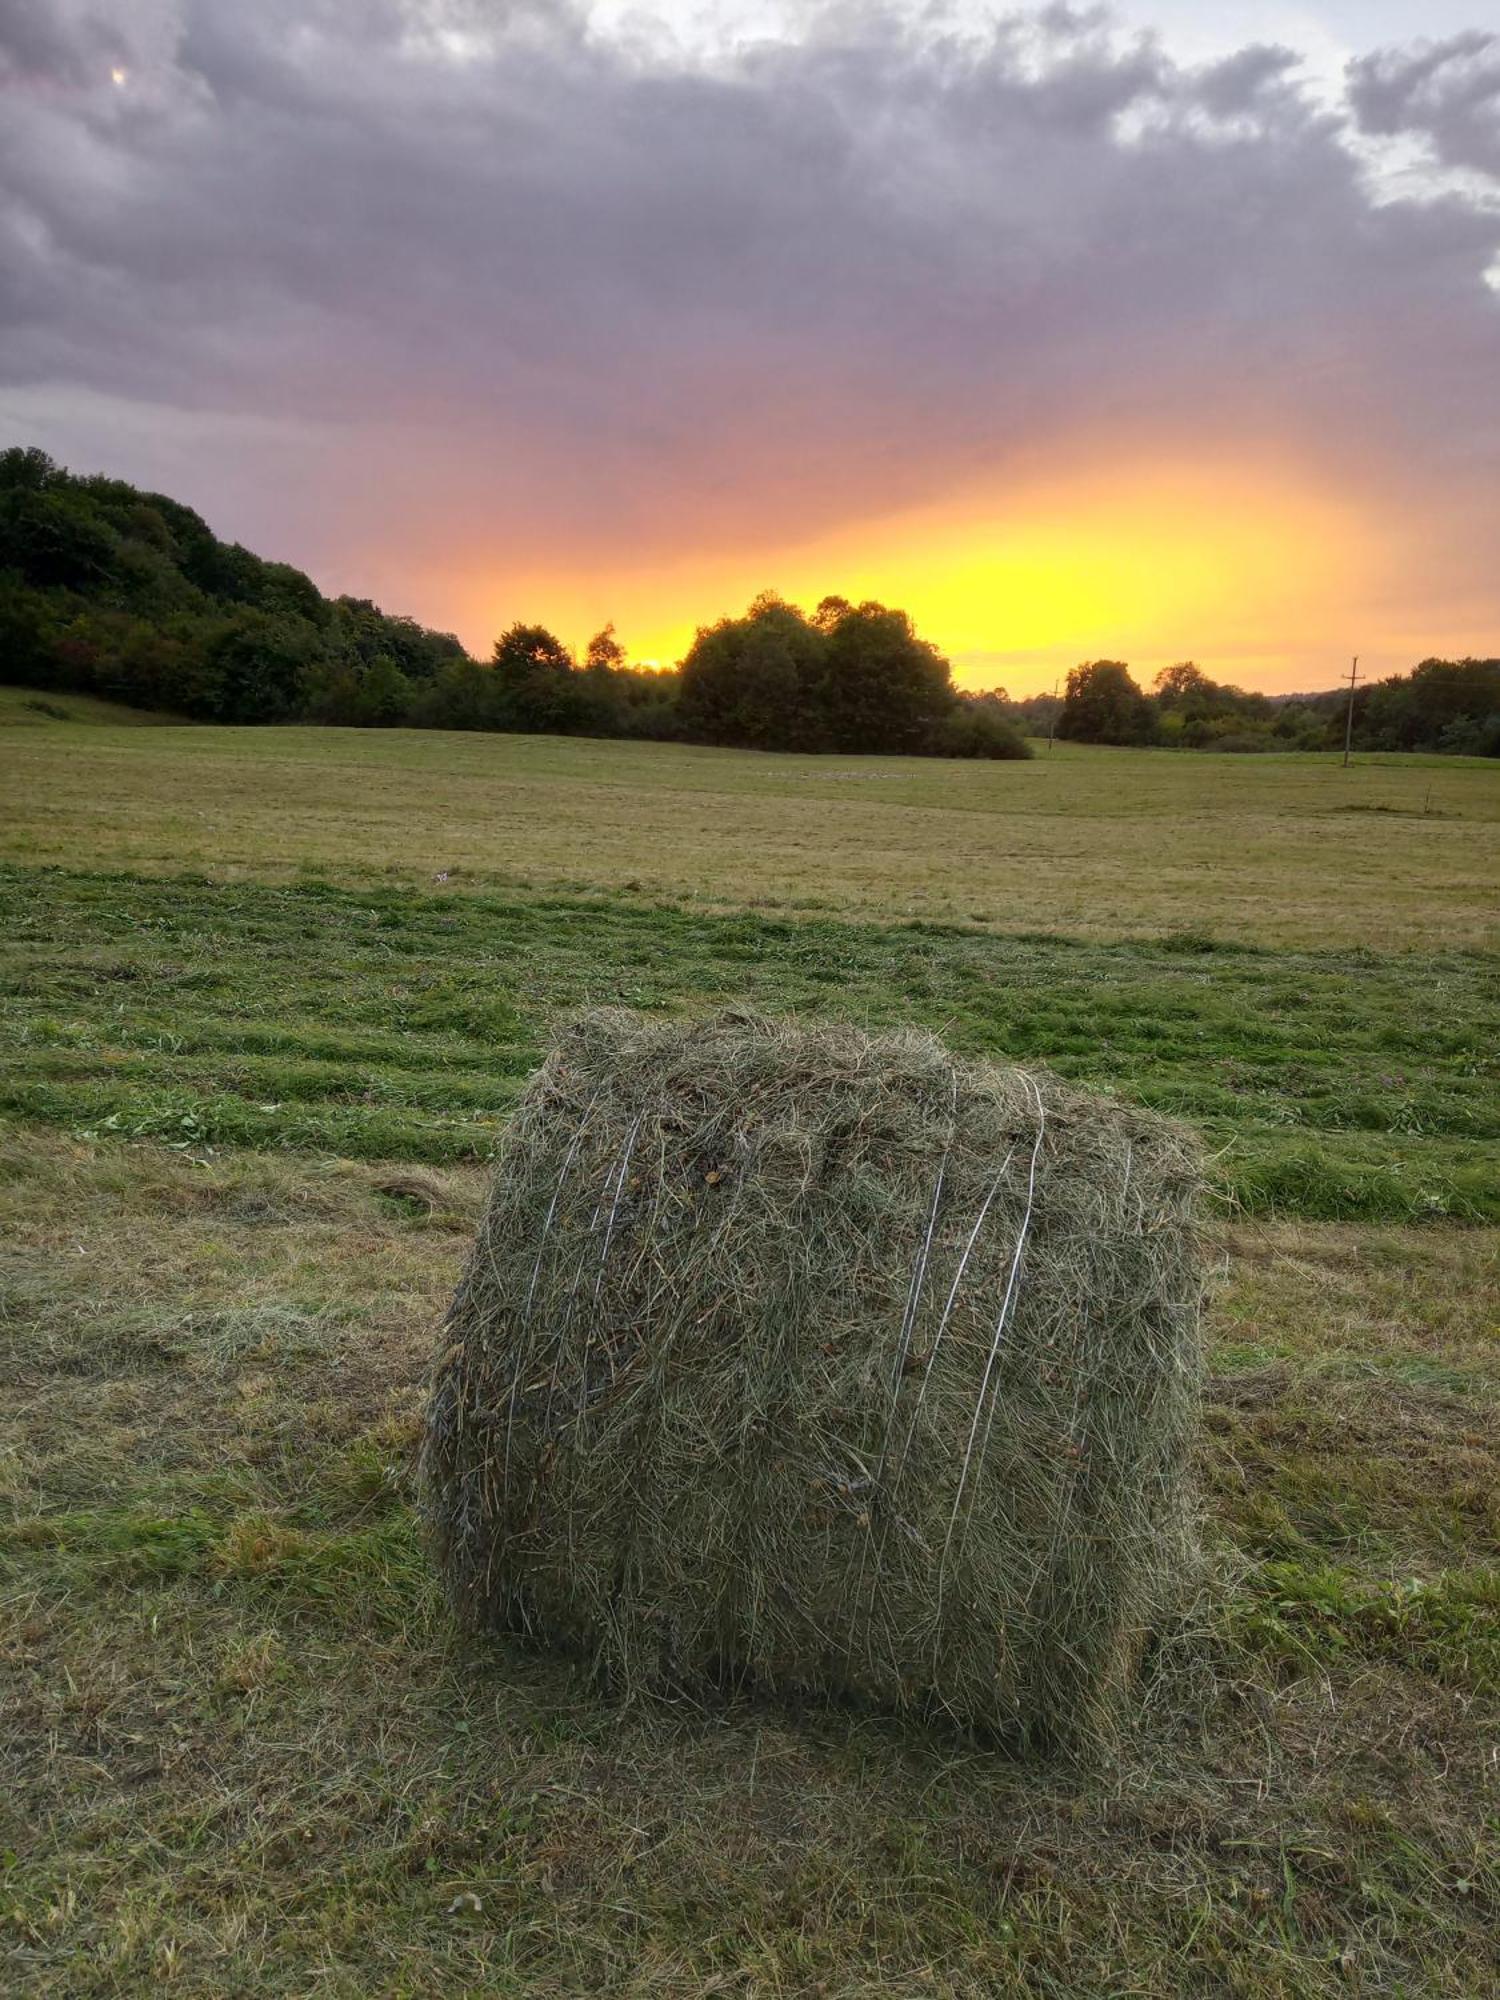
[(826, 1360)]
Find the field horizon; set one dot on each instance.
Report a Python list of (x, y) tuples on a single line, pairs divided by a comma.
[(1081, 839)]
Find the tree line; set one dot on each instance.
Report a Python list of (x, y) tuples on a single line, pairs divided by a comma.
[(1450, 706), (130, 595)]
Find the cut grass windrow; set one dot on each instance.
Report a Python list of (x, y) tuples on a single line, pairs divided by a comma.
[(396, 1024)]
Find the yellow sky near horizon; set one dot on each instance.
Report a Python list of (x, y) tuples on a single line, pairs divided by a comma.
[(1258, 571)]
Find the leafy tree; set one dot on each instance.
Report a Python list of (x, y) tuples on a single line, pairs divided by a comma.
[(978, 726), (1184, 686), (1104, 705), (25, 469), (648, 706), (755, 681), (257, 668), (1032, 714), (461, 695), (54, 540), (883, 689), (385, 694), (286, 592), (533, 674), (27, 640), (356, 696), (538, 689), (1199, 713), (604, 654), (369, 634), (1438, 705), (146, 665), (103, 586), (852, 678), (1299, 725), (526, 650)]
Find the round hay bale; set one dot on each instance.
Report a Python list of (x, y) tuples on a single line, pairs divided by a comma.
[(825, 1360)]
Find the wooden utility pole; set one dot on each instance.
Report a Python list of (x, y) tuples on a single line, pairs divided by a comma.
[(1349, 719), (1052, 718)]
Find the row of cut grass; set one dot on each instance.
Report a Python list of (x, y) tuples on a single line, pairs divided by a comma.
[(391, 1024)]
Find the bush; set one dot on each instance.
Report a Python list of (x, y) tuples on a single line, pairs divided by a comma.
[(975, 728)]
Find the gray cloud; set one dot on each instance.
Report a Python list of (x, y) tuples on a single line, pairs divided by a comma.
[(625, 297), (50, 41), (1445, 92)]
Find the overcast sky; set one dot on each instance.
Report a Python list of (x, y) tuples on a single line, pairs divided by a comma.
[(1172, 330)]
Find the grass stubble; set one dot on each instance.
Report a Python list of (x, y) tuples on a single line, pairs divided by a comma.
[(243, 1747), (246, 1750), (1081, 841)]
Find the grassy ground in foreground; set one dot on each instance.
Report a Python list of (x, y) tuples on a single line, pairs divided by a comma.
[(389, 1023), (243, 1753), (1394, 852), (241, 1748)]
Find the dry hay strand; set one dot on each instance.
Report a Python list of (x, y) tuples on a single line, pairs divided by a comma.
[(828, 1362)]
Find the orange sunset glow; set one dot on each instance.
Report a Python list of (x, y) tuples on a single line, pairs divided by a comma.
[(1153, 561), (1072, 334)]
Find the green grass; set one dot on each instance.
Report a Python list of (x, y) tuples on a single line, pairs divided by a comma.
[(29, 708), (393, 1024), (252, 1059), (1101, 843), (245, 1752)]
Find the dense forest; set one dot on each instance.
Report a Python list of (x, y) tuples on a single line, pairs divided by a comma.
[(130, 595)]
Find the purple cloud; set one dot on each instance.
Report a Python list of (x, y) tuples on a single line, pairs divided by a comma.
[(604, 296), (1445, 92)]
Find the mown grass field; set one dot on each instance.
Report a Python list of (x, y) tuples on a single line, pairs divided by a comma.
[(1394, 853), (252, 1057)]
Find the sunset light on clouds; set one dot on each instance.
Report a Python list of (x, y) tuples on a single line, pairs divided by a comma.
[(1161, 333)]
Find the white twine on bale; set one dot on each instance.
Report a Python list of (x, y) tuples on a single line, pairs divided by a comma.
[(1002, 1320), (947, 1312), (612, 1192), (945, 1317), (614, 1177), (888, 1511), (614, 1209)]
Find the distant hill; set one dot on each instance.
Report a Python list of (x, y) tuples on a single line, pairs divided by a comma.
[(131, 596)]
